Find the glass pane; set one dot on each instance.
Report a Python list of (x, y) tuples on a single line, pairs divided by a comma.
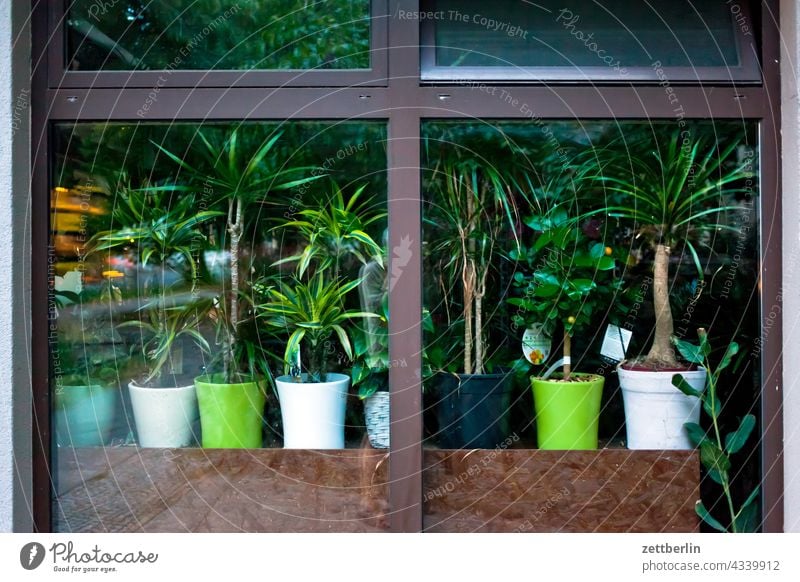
[(555, 33), (219, 291), (548, 246), (208, 34)]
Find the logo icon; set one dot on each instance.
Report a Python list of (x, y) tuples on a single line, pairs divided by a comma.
[(31, 555)]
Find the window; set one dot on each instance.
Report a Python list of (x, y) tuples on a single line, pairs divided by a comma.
[(619, 41), (276, 224)]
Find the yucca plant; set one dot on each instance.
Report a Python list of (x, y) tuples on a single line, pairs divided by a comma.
[(312, 313), (235, 181), (672, 191)]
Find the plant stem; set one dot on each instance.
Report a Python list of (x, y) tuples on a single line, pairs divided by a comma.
[(662, 352), (712, 393), (235, 230), (567, 354)]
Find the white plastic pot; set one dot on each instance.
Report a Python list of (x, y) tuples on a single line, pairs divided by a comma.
[(376, 413), (313, 413), (164, 416), (655, 410)]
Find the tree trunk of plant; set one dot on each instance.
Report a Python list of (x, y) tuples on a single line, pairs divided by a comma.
[(479, 347), (468, 280), (662, 354), (235, 230), (567, 356)]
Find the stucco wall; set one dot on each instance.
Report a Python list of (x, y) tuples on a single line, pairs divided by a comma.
[(15, 417), (790, 72)]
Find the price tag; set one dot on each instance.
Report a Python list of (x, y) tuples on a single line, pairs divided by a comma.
[(615, 343), (536, 345)]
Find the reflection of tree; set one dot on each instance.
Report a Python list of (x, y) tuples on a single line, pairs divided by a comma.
[(213, 34)]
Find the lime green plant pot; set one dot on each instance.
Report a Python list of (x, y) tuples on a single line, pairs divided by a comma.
[(230, 414), (567, 413)]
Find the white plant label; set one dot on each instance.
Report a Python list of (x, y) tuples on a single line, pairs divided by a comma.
[(536, 345), (615, 343)]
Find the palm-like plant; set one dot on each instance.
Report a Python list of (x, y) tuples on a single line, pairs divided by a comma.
[(236, 181), (165, 324), (336, 230), (673, 192), (311, 311), (473, 207), (165, 230)]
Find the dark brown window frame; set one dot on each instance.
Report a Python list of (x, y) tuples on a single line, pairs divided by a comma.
[(405, 103), (746, 72), (60, 77)]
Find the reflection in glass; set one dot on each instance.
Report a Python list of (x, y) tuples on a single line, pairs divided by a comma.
[(206, 35), (616, 34), (207, 291)]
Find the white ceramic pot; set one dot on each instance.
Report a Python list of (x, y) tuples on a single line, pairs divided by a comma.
[(313, 414), (376, 413), (164, 416), (655, 410)]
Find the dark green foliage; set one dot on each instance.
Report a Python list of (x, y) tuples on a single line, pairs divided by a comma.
[(716, 451)]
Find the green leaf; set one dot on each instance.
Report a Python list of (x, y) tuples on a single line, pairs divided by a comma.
[(733, 349), (714, 476), (597, 250), (734, 441), (696, 434), (583, 286), (703, 513), (747, 519), (547, 290), (713, 458), (752, 497), (690, 352), (605, 263), (681, 384)]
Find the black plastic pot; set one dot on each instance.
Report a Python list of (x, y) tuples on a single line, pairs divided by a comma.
[(472, 410)]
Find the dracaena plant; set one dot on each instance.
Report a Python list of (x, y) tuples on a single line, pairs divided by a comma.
[(672, 191), (715, 450), (472, 212), (312, 312), (336, 230), (568, 278), (235, 178), (165, 230)]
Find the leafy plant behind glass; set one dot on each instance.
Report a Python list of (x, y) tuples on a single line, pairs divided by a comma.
[(336, 230), (164, 228), (715, 452), (235, 180), (311, 306), (472, 211), (672, 190), (311, 311), (569, 278)]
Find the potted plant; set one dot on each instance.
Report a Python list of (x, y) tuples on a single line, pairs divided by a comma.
[(313, 312), (570, 279), (165, 231), (86, 395), (673, 192), (471, 208), (334, 239), (371, 370), (231, 401)]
